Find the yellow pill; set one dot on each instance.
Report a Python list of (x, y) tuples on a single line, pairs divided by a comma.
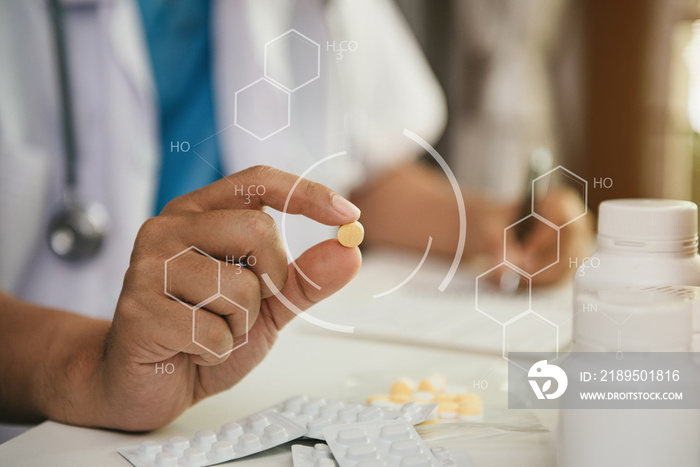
[(471, 407), (426, 385), (442, 397), (401, 387), (351, 235), (468, 398)]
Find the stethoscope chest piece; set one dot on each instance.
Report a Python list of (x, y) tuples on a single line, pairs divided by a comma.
[(77, 231)]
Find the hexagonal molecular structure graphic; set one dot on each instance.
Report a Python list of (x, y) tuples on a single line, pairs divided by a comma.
[(532, 224), (292, 60), (560, 176), (262, 109), (192, 266), (489, 298), (534, 334), (208, 318)]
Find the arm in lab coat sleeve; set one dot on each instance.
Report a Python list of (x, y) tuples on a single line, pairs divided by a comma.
[(405, 206), (387, 84)]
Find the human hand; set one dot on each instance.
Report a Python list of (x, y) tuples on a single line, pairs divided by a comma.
[(151, 328), (539, 253)]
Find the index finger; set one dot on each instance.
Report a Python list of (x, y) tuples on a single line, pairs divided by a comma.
[(261, 186)]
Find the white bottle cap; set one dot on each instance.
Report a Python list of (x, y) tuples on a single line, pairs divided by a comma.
[(659, 225)]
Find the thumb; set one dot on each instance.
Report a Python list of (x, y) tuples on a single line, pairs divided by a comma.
[(328, 264)]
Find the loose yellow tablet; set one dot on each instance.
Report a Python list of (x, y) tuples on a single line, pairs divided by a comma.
[(351, 235), (401, 387), (442, 397), (427, 385), (470, 404), (469, 399), (448, 409)]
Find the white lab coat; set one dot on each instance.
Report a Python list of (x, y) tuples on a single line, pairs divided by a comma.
[(359, 104)]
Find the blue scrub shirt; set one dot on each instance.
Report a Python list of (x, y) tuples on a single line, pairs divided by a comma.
[(178, 35)]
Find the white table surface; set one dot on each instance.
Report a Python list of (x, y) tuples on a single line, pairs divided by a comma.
[(305, 360)]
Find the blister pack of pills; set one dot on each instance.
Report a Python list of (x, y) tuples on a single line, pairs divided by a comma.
[(316, 414), (253, 434), (320, 455), (389, 443)]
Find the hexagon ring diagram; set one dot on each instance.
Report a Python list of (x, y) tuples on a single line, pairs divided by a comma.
[(262, 109), (206, 324), (545, 230), (306, 58), (558, 176), (490, 304), (207, 304), (178, 276)]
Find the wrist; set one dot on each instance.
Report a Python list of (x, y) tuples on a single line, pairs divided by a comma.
[(72, 379)]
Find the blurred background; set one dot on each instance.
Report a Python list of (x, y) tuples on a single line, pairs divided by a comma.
[(612, 87)]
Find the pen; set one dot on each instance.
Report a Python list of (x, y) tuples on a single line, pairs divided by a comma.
[(540, 162)]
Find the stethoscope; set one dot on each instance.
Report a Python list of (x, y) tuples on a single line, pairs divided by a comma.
[(77, 231)]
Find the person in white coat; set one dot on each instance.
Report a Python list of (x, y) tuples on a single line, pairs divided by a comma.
[(339, 123)]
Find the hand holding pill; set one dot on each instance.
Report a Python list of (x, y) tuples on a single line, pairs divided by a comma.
[(145, 369)]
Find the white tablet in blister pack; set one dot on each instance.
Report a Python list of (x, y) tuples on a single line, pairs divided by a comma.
[(250, 435), (386, 437), (316, 413), (385, 443), (320, 455)]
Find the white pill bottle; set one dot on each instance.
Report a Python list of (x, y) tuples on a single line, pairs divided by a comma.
[(641, 243)]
